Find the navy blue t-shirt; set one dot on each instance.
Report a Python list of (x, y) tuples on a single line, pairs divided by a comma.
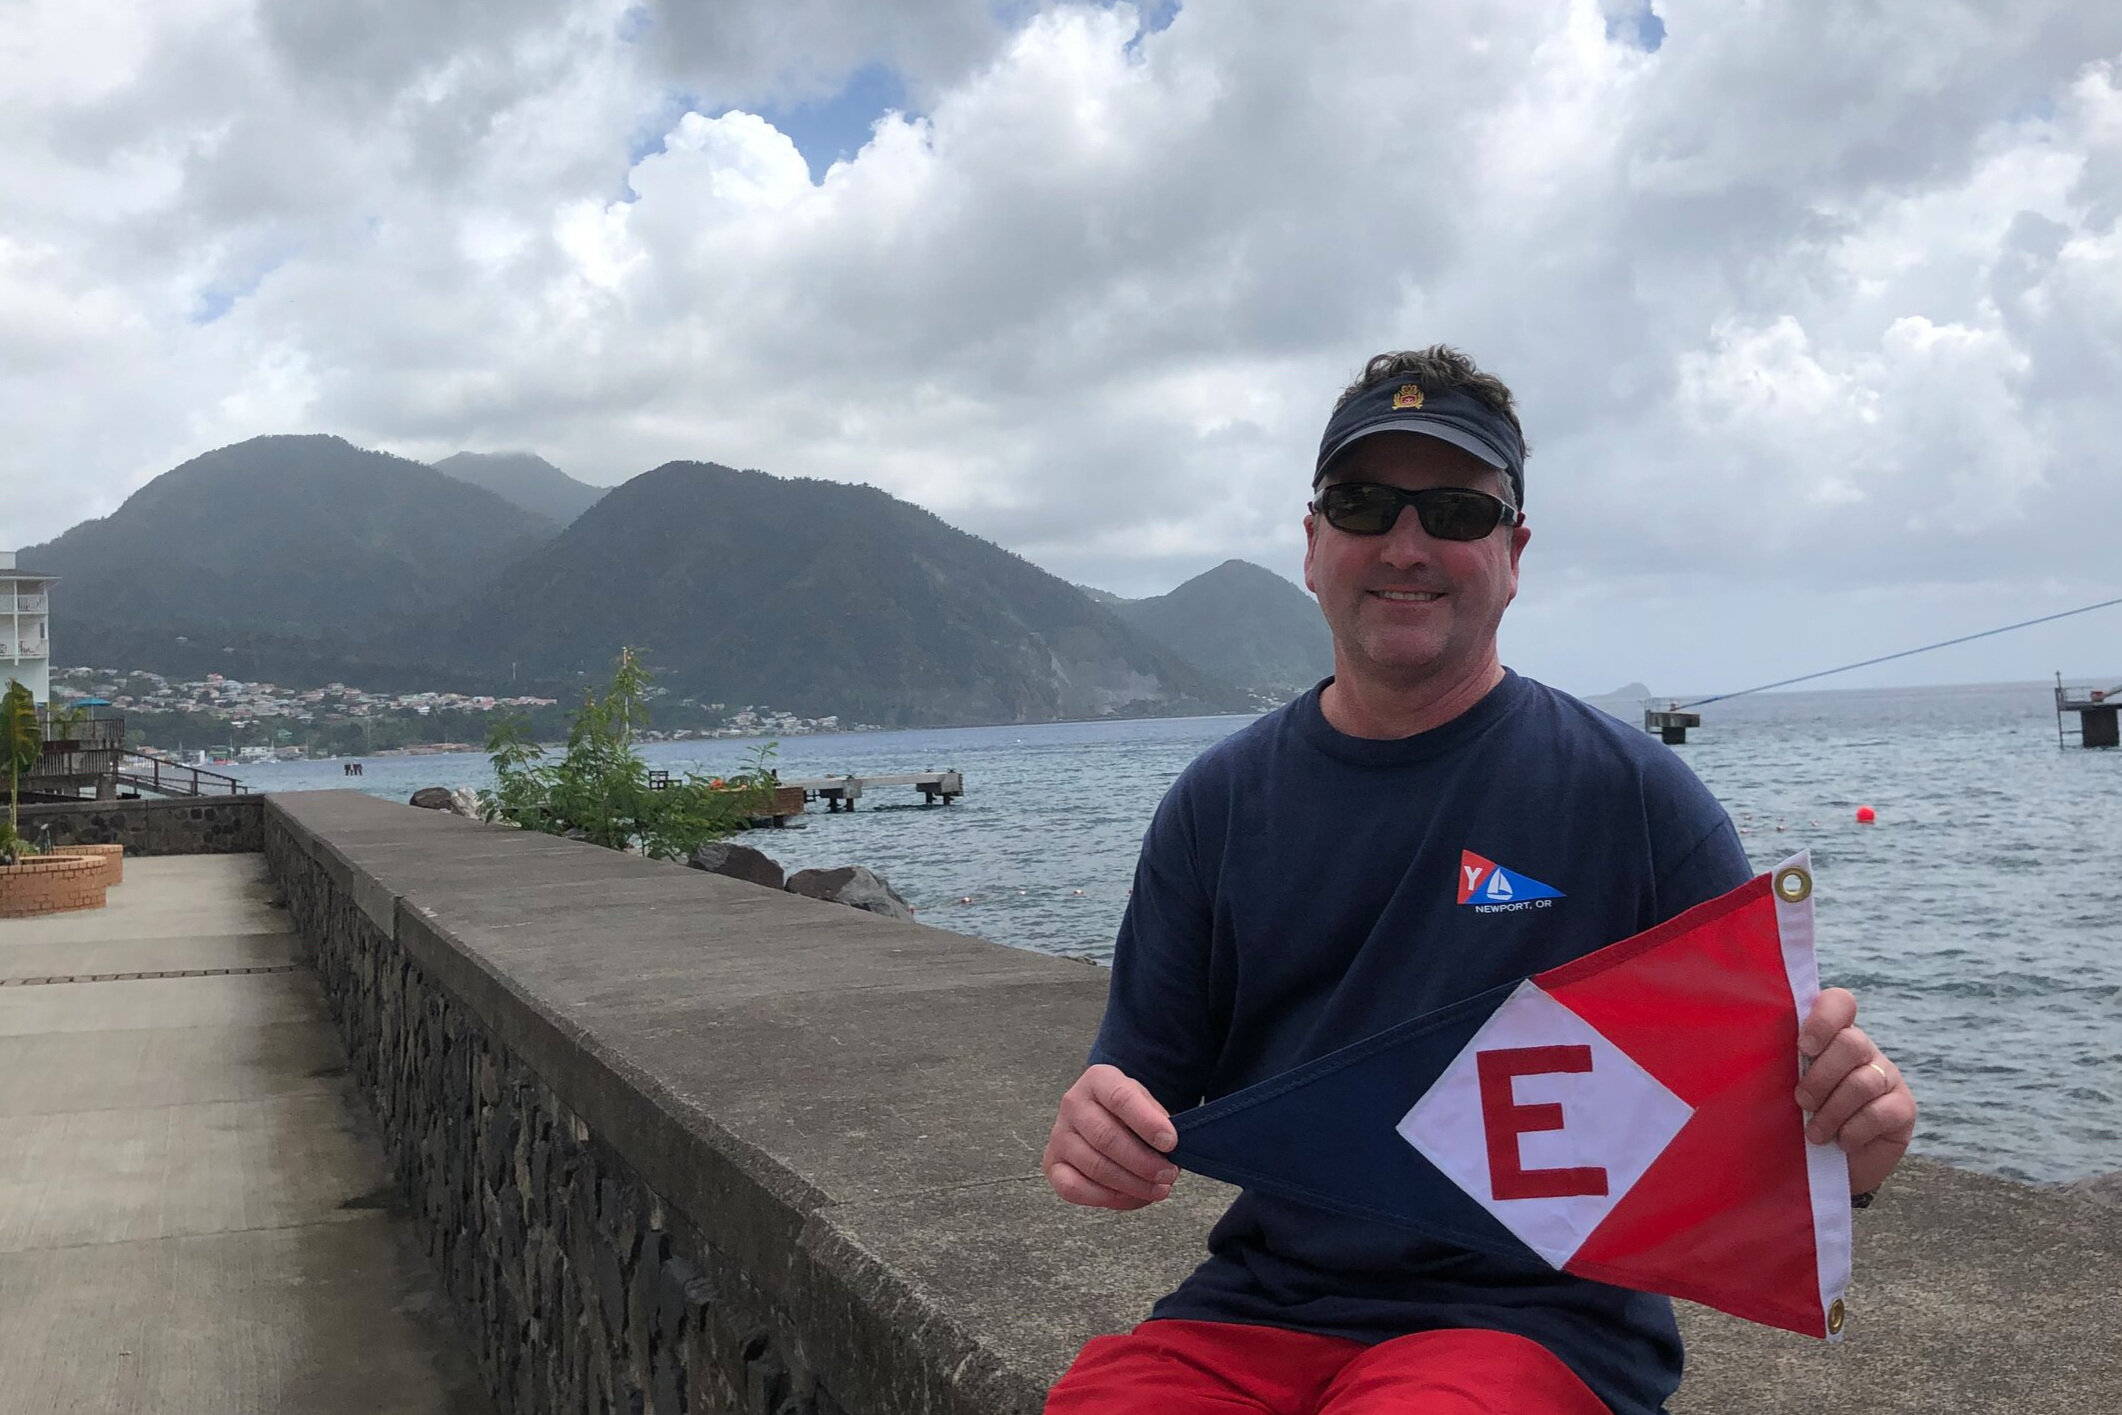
[(1298, 891)]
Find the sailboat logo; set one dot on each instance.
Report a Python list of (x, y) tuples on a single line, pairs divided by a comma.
[(1485, 884)]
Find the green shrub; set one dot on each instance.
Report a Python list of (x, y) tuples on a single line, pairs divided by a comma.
[(21, 747), (600, 788)]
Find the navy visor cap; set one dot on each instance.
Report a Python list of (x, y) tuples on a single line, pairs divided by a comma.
[(1453, 415)]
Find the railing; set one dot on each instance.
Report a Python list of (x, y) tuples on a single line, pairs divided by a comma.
[(2071, 699), (28, 648), (167, 778), (82, 751), (78, 750), (29, 604), (65, 764), (102, 732)]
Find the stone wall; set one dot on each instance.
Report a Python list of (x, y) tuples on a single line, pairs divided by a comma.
[(585, 1290), (681, 1143), (215, 825), (640, 1201)]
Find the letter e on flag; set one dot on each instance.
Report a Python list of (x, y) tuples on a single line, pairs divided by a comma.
[(1505, 1120), (1544, 1122)]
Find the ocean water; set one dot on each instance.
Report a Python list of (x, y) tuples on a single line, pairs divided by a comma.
[(1979, 920)]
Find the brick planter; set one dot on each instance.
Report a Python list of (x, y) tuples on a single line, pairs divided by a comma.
[(52, 883), (112, 856)]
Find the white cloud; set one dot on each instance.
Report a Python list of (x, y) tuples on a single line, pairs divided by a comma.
[(1807, 297)]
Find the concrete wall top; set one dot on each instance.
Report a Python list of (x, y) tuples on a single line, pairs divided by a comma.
[(878, 1095)]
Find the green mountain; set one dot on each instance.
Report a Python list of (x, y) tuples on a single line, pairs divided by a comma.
[(1240, 623), (280, 539), (815, 597), (525, 479)]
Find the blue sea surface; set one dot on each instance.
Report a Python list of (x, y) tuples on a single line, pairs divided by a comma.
[(1979, 920)]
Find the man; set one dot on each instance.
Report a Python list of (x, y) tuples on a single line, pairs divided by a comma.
[(1297, 893)]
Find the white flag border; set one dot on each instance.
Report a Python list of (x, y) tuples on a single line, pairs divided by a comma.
[(1826, 1167)]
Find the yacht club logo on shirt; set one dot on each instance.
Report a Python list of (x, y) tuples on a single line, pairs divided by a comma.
[(1491, 889)]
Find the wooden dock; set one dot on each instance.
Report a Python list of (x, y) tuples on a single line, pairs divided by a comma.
[(841, 792), (838, 792)]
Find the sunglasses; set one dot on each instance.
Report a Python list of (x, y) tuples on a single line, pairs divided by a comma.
[(1447, 512)]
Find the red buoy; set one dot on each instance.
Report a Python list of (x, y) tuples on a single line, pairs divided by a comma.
[(1866, 815)]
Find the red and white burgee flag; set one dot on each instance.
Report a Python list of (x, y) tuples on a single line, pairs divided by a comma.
[(1629, 1117)]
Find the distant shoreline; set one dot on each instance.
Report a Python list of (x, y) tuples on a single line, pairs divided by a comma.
[(1603, 700), (466, 748)]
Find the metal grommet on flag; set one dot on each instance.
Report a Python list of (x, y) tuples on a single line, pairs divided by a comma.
[(1794, 884), (1836, 1314)]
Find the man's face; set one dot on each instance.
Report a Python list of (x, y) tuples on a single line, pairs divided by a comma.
[(1408, 610)]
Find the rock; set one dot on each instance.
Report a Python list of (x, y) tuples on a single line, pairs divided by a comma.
[(462, 801), (719, 857), (852, 885)]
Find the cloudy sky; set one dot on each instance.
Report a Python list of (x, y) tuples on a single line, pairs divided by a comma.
[(1814, 310)]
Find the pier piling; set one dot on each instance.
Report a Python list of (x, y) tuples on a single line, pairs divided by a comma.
[(1670, 724)]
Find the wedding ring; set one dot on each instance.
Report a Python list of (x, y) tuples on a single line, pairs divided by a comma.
[(1882, 1074)]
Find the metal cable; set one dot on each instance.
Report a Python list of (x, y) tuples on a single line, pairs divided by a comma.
[(1890, 657)]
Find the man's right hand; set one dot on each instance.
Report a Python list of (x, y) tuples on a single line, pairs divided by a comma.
[(1106, 1150)]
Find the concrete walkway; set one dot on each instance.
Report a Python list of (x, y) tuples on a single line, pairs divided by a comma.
[(195, 1214)]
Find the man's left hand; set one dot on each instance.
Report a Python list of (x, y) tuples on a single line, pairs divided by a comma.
[(1852, 1094)]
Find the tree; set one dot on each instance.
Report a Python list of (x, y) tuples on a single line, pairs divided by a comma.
[(600, 787), (21, 746)]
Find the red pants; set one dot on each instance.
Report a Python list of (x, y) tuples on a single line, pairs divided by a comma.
[(1176, 1368)]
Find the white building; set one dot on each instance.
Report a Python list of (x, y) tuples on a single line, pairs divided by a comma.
[(25, 627)]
